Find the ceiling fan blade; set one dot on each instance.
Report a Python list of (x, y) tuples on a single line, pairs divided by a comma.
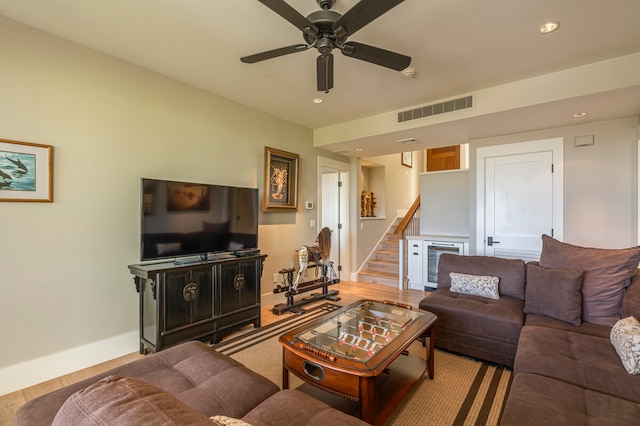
[(361, 14), (290, 14), (375, 55), (325, 72), (252, 59)]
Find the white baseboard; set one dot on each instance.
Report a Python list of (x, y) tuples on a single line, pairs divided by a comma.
[(29, 373)]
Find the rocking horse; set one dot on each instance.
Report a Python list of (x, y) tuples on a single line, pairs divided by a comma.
[(316, 256)]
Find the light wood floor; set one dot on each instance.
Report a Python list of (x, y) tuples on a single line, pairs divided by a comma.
[(349, 292)]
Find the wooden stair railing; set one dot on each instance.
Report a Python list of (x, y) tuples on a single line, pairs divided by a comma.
[(406, 220)]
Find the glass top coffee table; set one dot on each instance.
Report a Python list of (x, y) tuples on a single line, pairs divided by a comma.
[(359, 352)]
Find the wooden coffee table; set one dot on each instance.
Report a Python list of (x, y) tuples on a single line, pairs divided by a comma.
[(359, 352)]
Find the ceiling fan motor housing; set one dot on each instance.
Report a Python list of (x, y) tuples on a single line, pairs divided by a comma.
[(326, 4), (323, 19)]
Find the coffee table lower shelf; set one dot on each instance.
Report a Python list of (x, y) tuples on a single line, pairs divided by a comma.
[(391, 388)]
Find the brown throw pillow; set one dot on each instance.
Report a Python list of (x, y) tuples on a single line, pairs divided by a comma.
[(126, 400), (554, 293), (607, 273)]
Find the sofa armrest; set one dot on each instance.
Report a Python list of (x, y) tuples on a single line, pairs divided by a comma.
[(631, 299)]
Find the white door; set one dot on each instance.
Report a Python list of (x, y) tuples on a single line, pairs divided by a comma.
[(520, 197)]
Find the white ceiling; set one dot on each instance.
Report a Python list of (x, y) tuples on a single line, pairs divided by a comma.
[(457, 46)]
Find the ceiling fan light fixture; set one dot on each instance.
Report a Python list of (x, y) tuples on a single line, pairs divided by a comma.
[(549, 27)]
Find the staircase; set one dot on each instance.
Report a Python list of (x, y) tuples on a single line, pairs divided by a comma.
[(383, 265)]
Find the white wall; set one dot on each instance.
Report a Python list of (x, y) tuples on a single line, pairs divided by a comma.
[(68, 300), (600, 181)]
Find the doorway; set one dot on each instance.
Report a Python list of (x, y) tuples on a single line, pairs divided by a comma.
[(333, 210), (519, 198)]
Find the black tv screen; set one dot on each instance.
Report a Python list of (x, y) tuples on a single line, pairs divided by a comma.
[(186, 219)]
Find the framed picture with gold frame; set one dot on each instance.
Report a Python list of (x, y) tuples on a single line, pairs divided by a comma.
[(280, 180), (26, 171)]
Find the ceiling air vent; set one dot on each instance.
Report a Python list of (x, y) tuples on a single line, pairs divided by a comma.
[(435, 109)]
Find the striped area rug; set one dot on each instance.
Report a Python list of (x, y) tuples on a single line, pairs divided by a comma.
[(464, 391)]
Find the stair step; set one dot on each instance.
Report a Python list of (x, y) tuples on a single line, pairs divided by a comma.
[(388, 245), (386, 255), (380, 265), (375, 277), (392, 237)]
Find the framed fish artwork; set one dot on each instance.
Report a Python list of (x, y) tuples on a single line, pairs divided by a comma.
[(26, 171)]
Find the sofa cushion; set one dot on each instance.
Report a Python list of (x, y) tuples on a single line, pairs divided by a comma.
[(292, 407), (204, 379), (478, 285), (555, 293), (193, 372), (511, 272), (631, 300), (126, 400), (583, 360), (625, 338), (607, 273), (585, 327), (537, 400)]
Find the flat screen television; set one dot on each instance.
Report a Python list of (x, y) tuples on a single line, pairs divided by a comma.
[(187, 219)]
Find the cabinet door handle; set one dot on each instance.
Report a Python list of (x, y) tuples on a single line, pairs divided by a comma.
[(238, 282), (190, 292)]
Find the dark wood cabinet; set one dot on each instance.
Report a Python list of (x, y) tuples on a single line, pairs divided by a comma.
[(239, 298), (202, 300)]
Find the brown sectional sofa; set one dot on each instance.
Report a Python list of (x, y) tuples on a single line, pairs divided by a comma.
[(185, 384), (566, 370), (478, 326)]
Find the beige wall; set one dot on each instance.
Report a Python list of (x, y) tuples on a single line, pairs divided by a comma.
[(64, 280), (401, 188)]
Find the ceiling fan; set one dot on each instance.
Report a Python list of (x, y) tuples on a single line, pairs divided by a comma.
[(326, 30)]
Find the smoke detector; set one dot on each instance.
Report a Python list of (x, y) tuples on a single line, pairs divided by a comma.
[(409, 72)]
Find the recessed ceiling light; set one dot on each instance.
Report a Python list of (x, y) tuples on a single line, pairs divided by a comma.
[(317, 101), (549, 27), (579, 114), (358, 149)]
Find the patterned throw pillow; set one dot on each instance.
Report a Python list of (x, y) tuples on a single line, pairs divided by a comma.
[(228, 421), (625, 338), (477, 285)]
